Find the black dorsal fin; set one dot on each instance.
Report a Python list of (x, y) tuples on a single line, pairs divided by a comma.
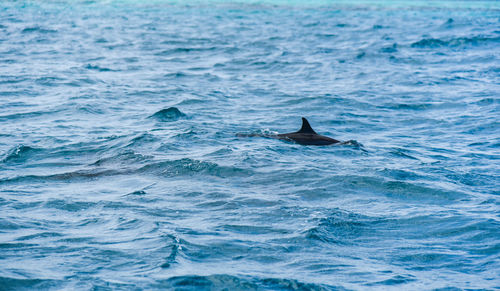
[(306, 127)]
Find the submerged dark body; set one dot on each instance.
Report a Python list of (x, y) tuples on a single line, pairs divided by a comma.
[(307, 136)]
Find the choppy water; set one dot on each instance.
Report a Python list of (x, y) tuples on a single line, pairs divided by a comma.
[(120, 167)]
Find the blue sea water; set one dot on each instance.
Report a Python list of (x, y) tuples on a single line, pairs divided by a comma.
[(121, 167)]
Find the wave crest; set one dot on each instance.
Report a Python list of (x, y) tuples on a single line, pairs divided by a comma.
[(168, 114)]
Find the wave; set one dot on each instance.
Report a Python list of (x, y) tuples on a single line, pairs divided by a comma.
[(395, 189), (186, 50), (98, 68), (190, 167), (90, 109), (8, 283), (168, 114), (20, 154), (230, 282), (37, 29), (70, 153), (340, 227), (23, 115), (454, 42), (123, 158), (172, 168)]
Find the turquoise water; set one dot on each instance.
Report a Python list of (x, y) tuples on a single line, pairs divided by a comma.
[(121, 166)]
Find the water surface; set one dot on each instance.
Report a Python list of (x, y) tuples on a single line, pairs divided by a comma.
[(121, 168)]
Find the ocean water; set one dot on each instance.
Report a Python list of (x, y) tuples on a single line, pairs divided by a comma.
[(121, 167)]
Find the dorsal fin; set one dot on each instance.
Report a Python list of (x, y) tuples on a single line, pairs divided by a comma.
[(306, 127)]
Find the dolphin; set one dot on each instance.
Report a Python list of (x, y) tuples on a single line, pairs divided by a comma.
[(305, 136)]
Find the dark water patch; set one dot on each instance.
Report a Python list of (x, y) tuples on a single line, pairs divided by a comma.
[(408, 106), (10, 283), (15, 246), (7, 80), (487, 101), (186, 50), (168, 114), (252, 229), (131, 59), (80, 82), (455, 42), (76, 240), (291, 284), (192, 77), (38, 29), (98, 68), (213, 282), (390, 49), (229, 282), (4, 201), (26, 205), (141, 192), (8, 224), (17, 93), (326, 35), (101, 40), (489, 250)]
